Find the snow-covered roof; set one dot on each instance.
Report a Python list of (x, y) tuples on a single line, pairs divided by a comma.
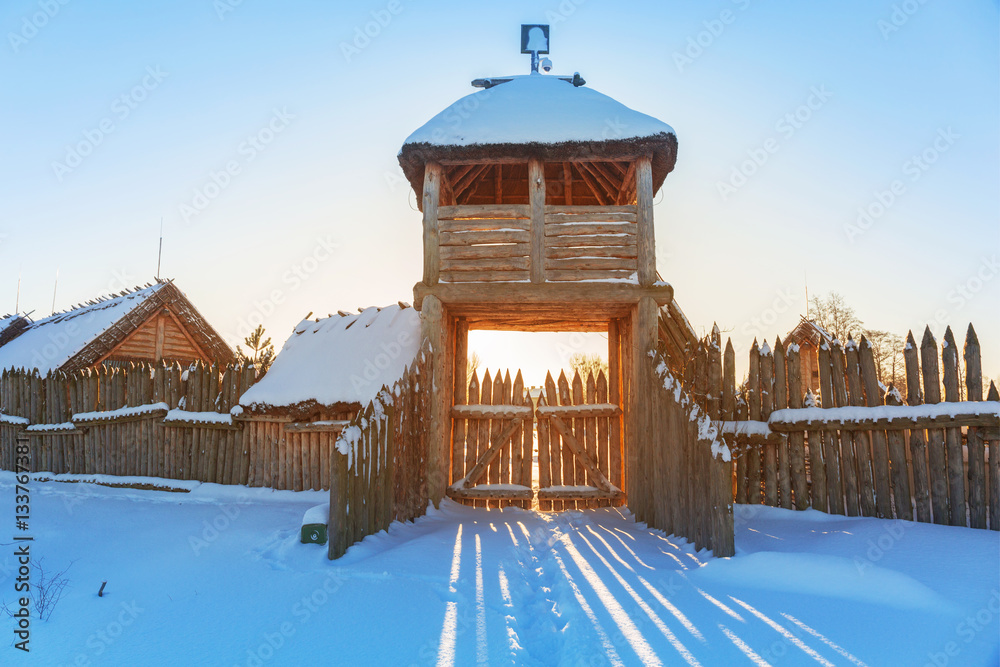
[(536, 109), (11, 326), (538, 116), (339, 359), (49, 343)]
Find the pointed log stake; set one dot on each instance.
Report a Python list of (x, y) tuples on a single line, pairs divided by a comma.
[(994, 472), (974, 441), (880, 452), (918, 448), (953, 436), (936, 461)]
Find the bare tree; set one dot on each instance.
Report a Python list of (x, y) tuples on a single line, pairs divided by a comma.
[(588, 363), (887, 349), (472, 367), (833, 314)]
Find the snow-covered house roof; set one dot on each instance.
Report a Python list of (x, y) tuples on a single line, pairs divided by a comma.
[(93, 332), (538, 116), (338, 362), (807, 332), (12, 326)]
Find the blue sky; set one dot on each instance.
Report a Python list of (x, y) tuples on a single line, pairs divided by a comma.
[(290, 141)]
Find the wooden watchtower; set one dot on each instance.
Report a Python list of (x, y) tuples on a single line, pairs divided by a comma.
[(537, 200)]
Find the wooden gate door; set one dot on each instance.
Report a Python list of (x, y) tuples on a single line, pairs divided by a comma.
[(493, 443), (579, 454), (579, 445)]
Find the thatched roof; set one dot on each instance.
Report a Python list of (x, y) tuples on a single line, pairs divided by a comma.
[(807, 332), (337, 363), (83, 335), (12, 326), (542, 117)]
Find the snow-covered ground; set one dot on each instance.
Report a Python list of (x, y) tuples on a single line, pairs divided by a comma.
[(216, 576)]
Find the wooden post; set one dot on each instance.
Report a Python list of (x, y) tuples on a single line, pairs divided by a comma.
[(644, 341), (536, 198), (953, 436), (796, 449), (994, 471), (458, 468), (766, 406), (862, 448), (432, 247), (434, 329), (646, 239), (614, 396), (737, 462), (831, 442), (897, 462), (936, 460), (918, 449), (880, 452), (753, 403), (977, 452)]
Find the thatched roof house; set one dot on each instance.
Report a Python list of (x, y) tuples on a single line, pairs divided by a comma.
[(332, 366), (12, 326), (152, 323), (808, 336), (567, 122)]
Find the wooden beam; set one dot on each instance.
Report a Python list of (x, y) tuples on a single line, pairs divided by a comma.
[(498, 196), (592, 184), (644, 218), (546, 293), (568, 182), (432, 185), (467, 181), (577, 493), (507, 493), (494, 451), (583, 410), (536, 193), (478, 411), (569, 440), (161, 326)]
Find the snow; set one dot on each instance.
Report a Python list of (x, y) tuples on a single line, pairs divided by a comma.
[(198, 417), (12, 419), (217, 576), (340, 359), (49, 343), (890, 412), (65, 426), (120, 412), (560, 112), (745, 427), (317, 514)]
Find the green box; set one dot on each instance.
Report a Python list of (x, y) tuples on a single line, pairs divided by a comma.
[(314, 533)]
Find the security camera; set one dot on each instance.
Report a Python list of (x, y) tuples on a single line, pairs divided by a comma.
[(546, 64)]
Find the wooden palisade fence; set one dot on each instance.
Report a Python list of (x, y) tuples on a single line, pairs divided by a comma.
[(140, 420), (684, 487), (863, 449), (378, 472)]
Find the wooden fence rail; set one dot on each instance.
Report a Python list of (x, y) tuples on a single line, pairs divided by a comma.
[(153, 420), (378, 472), (860, 448)]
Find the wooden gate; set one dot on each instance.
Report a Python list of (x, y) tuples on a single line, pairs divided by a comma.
[(578, 459)]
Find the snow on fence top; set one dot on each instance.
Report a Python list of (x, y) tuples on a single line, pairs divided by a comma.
[(49, 343), (339, 359)]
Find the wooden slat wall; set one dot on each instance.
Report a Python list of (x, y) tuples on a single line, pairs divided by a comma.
[(945, 475), (590, 243), (383, 479), (138, 446)]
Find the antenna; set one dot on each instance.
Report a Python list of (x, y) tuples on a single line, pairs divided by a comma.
[(805, 278), (54, 289), (17, 299), (159, 255)]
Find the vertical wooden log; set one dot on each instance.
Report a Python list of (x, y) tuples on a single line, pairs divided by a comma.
[(796, 448), (977, 452), (753, 403), (838, 398), (835, 466), (918, 450), (897, 463), (434, 329), (817, 460), (555, 443), (486, 398), (472, 439), (615, 397), (994, 469), (544, 470), (770, 448), (430, 199), (729, 414), (527, 448), (937, 464), (862, 444), (953, 436), (516, 398), (536, 198), (644, 219), (603, 424), (461, 380), (645, 334), (568, 459), (880, 453)]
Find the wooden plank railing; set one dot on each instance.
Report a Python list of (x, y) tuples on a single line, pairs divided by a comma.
[(590, 243)]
